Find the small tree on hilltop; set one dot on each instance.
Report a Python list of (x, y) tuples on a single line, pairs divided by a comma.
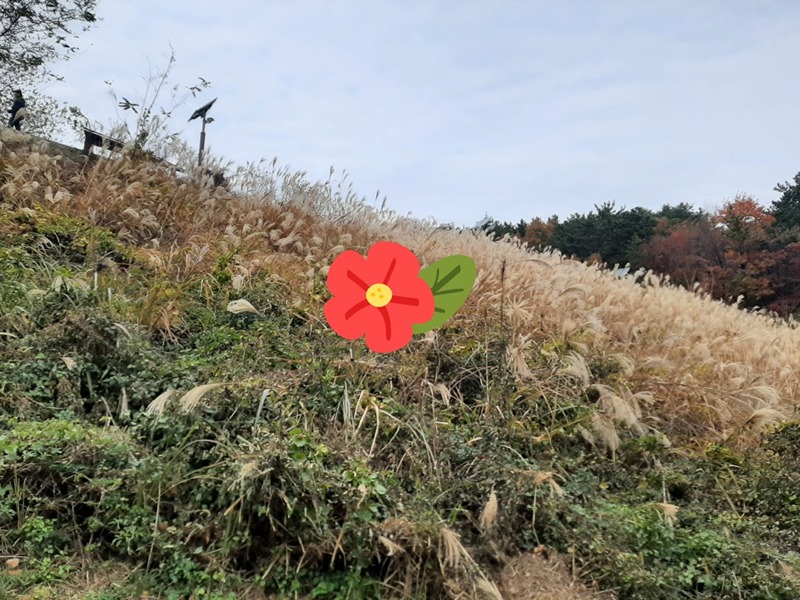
[(33, 35), (36, 33), (145, 121), (538, 233)]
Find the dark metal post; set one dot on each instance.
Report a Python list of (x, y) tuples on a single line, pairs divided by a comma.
[(202, 144), (202, 113)]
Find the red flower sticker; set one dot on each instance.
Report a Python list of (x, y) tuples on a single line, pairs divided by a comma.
[(381, 296)]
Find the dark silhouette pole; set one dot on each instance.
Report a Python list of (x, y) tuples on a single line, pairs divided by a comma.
[(202, 114)]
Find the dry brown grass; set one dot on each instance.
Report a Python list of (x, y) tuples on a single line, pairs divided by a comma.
[(687, 361), (686, 365), (532, 577)]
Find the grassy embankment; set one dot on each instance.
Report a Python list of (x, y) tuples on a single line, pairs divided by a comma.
[(567, 435)]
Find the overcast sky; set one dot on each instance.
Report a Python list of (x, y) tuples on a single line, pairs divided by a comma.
[(456, 109)]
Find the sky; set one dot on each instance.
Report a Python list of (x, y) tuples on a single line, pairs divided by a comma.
[(455, 110)]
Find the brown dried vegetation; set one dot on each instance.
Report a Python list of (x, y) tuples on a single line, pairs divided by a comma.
[(652, 360)]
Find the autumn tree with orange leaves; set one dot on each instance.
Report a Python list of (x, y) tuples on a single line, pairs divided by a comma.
[(745, 223)]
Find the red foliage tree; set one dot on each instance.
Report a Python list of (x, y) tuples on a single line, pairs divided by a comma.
[(745, 223), (689, 252)]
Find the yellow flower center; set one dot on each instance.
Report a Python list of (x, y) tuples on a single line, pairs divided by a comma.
[(379, 294)]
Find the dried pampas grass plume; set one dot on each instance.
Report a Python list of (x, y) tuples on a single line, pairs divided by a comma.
[(488, 588), (576, 368), (157, 406), (241, 306), (765, 417), (391, 547), (489, 513), (452, 551), (669, 511), (192, 398)]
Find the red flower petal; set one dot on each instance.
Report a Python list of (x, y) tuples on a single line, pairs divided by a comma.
[(391, 335), (389, 261), (346, 319), (348, 274), (412, 302), (386, 328)]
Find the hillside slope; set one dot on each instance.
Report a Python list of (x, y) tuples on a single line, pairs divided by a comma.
[(589, 435)]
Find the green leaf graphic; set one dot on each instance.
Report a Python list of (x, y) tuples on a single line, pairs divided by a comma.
[(451, 280)]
